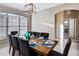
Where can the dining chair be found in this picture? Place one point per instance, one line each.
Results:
(24, 47)
(15, 45)
(45, 35)
(14, 32)
(10, 42)
(65, 52)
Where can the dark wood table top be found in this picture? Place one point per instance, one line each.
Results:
(41, 49)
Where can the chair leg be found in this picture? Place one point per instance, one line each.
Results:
(9, 49)
(13, 52)
(19, 53)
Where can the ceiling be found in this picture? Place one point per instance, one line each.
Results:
(39, 6)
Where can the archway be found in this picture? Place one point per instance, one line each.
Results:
(66, 24)
(62, 8)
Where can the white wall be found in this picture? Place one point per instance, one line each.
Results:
(47, 17)
(42, 22)
(59, 25)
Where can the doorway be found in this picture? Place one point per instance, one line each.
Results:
(67, 24)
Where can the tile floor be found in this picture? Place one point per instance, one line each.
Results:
(74, 50)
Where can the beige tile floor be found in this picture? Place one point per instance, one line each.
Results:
(74, 50)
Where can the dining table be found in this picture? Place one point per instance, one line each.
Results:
(43, 47)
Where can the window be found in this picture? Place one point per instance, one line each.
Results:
(23, 25)
(23, 30)
(12, 29)
(2, 19)
(3, 24)
(2, 31)
(12, 22)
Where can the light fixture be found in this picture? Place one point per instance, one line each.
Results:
(29, 9)
(68, 12)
